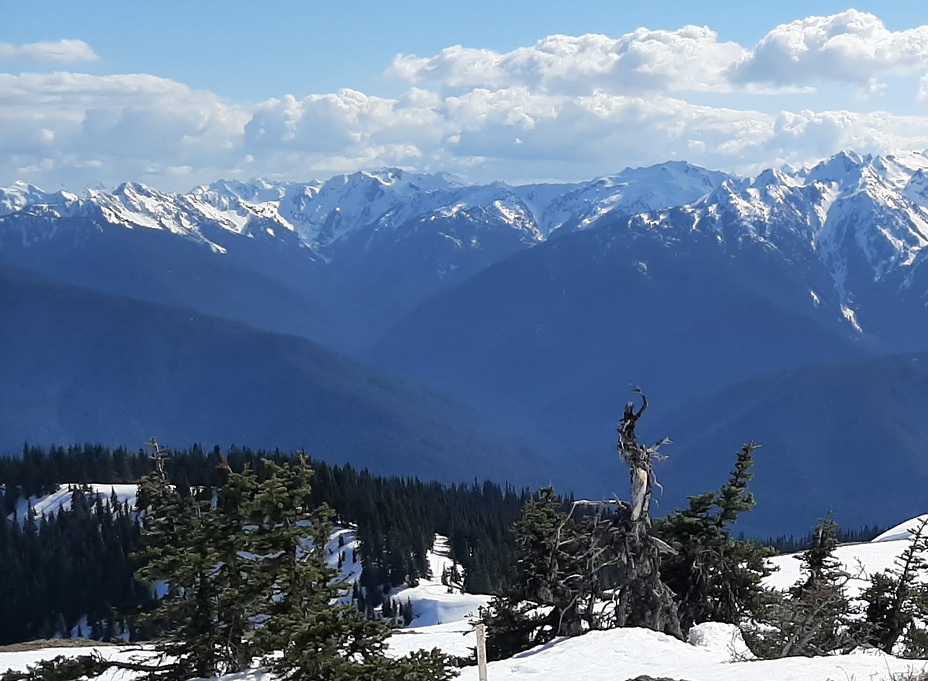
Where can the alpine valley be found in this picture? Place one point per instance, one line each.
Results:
(417, 325)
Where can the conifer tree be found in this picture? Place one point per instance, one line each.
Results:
(179, 553)
(407, 613)
(895, 596)
(814, 617)
(538, 605)
(246, 575)
(316, 638)
(716, 577)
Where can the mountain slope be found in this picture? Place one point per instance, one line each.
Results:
(561, 331)
(80, 366)
(811, 268)
(846, 438)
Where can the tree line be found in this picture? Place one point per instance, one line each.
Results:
(245, 582)
(71, 572)
(66, 572)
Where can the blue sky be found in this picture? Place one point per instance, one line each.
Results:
(177, 93)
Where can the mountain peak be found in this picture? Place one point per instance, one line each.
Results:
(841, 167)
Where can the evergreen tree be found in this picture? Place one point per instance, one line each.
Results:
(815, 616)
(567, 560)
(80, 561)
(716, 577)
(534, 610)
(246, 574)
(407, 612)
(316, 638)
(178, 553)
(896, 596)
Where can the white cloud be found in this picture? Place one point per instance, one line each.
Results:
(59, 50)
(923, 89)
(850, 47)
(347, 119)
(690, 58)
(78, 125)
(565, 107)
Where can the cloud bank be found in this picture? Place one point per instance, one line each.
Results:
(567, 107)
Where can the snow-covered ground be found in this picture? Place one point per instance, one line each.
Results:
(860, 561)
(613, 655)
(622, 654)
(61, 498)
(433, 603)
(715, 653)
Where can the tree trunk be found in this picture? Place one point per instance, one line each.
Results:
(643, 600)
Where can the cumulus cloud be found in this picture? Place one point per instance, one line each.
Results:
(58, 50)
(346, 119)
(565, 107)
(67, 124)
(690, 58)
(850, 47)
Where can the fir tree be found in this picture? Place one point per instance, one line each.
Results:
(316, 638)
(815, 616)
(407, 613)
(538, 605)
(895, 596)
(716, 577)
(178, 551)
(247, 575)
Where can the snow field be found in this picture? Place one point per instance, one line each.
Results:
(715, 652)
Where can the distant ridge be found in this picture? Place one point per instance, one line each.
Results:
(85, 367)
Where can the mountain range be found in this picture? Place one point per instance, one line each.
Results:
(788, 307)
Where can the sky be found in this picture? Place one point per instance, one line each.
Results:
(176, 94)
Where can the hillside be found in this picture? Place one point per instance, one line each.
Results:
(846, 438)
(89, 367)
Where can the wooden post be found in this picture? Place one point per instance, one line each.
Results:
(482, 652)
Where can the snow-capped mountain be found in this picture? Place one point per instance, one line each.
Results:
(539, 303)
(376, 243)
(325, 213)
(865, 219)
(859, 216)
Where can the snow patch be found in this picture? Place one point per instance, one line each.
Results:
(851, 316)
(436, 603)
(901, 531)
(60, 499)
(721, 639)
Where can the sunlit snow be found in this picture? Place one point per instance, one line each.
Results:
(715, 652)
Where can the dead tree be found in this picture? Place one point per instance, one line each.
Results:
(641, 599)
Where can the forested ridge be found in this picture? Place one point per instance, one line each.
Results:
(79, 561)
